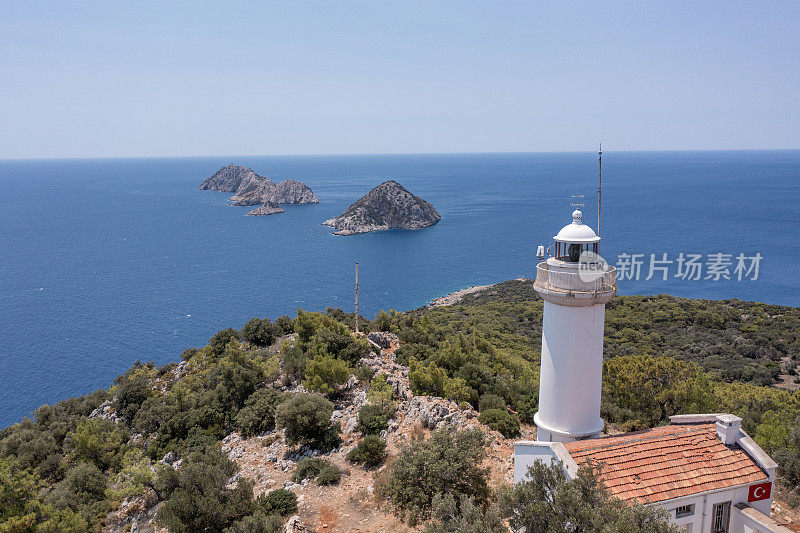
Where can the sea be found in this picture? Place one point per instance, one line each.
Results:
(104, 262)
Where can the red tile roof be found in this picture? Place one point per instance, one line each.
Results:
(667, 462)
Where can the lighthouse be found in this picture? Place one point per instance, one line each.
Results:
(575, 285)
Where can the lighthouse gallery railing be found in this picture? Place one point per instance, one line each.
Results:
(587, 281)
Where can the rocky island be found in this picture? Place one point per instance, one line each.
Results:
(250, 188)
(387, 206)
(267, 208)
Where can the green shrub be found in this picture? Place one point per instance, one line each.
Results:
(372, 419)
(21, 510)
(281, 502)
(326, 374)
(370, 451)
(258, 413)
(83, 490)
(133, 388)
(381, 392)
(491, 401)
(325, 472)
(294, 362)
(188, 353)
(197, 497)
(340, 343)
(446, 463)
(286, 323)
(363, 374)
(257, 523)
(788, 457)
(307, 420)
(463, 516)
(221, 339)
(260, 332)
(502, 421)
(548, 501)
(329, 475)
(426, 379)
(308, 468)
(459, 391)
(99, 441)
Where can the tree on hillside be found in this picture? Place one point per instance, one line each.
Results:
(446, 463)
(326, 374)
(643, 390)
(548, 502)
(221, 339)
(198, 497)
(260, 332)
(307, 420)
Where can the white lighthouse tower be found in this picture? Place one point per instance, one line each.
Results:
(575, 285)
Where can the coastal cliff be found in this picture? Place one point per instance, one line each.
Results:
(387, 206)
(250, 188)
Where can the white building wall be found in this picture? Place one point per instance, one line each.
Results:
(527, 452)
(701, 520)
(571, 372)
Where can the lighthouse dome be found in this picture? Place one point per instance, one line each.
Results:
(577, 232)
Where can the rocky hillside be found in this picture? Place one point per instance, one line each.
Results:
(352, 505)
(268, 208)
(292, 192)
(251, 189)
(270, 461)
(231, 178)
(387, 206)
(303, 425)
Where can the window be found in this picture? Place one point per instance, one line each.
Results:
(721, 517)
(684, 510)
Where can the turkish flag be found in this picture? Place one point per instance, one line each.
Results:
(759, 492)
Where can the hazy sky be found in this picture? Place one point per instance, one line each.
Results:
(113, 78)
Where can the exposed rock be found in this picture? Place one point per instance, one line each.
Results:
(294, 525)
(230, 178)
(268, 208)
(433, 412)
(387, 206)
(106, 410)
(292, 192)
(383, 339)
(250, 188)
(253, 190)
(350, 426)
(455, 298)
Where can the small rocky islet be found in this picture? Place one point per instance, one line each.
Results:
(267, 208)
(250, 188)
(387, 206)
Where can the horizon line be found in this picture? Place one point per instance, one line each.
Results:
(345, 154)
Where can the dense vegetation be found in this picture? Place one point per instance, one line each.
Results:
(550, 503)
(64, 470)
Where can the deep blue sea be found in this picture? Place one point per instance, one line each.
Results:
(107, 261)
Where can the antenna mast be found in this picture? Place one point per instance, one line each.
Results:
(356, 296)
(599, 183)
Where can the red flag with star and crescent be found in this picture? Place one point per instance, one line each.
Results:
(758, 492)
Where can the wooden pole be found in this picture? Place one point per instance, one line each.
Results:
(599, 183)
